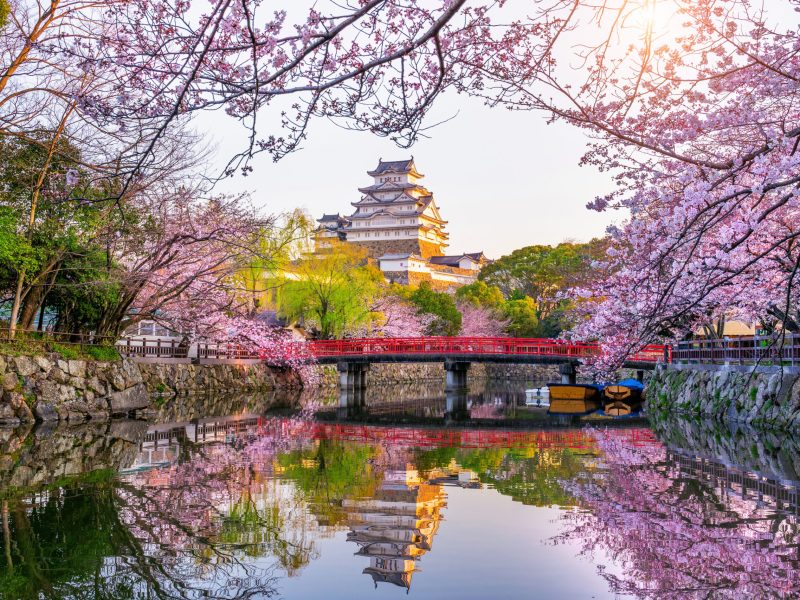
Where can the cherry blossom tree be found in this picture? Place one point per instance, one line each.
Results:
(481, 321)
(690, 105)
(398, 318)
(177, 259)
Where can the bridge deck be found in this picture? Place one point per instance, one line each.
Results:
(487, 350)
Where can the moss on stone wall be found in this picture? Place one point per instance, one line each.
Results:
(769, 398)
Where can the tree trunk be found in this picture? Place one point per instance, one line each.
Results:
(37, 291)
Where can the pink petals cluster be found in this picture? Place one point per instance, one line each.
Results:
(481, 321)
(704, 149)
(397, 318)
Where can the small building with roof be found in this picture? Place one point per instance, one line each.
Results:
(398, 221)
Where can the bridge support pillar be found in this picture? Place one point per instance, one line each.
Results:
(569, 374)
(352, 376)
(640, 376)
(456, 374)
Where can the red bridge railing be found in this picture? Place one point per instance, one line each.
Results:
(473, 346)
(377, 347)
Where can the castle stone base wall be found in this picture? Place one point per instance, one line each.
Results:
(376, 249)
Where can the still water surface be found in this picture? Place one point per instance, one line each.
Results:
(398, 500)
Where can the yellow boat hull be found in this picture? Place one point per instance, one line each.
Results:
(573, 407)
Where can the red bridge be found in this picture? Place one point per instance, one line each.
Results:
(354, 356)
(471, 349)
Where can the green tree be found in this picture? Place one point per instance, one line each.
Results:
(544, 273)
(45, 225)
(441, 305)
(523, 318)
(481, 294)
(332, 292)
(331, 472)
(277, 247)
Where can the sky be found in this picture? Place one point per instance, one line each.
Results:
(502, 179)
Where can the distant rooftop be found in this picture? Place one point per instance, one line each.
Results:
(399, 256)
(452, 260)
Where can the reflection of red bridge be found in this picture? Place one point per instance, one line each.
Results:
(577, 439)
(220, 429)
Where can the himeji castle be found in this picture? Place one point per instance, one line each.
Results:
(398, 222)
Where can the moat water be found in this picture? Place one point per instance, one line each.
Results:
(221, 498)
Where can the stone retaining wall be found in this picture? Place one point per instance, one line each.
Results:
(764, 397)
(49, 388)
(176, 379)
(392, 373)
(48, 454)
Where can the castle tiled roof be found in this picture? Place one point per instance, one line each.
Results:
(452, 260)
(332, 221)
(390, 187)
(394, 166)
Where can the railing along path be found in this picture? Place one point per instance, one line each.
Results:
(780, 350)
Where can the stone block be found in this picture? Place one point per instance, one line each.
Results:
(8, 416)
(45, 412)
(57, 375)
(10, 381)
(95, 385)
(77, 368)
(25, 366)
(43, 364)
(130, 399)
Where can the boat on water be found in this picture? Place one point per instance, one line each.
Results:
(575, 398)
(623, 398)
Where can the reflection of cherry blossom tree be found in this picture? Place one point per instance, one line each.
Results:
(204, 517)
(675, 536)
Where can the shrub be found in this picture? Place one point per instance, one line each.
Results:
(65, 352)
(103, 353)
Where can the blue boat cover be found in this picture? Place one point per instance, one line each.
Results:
(634, 384)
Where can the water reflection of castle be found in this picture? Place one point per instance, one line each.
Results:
(396, 527)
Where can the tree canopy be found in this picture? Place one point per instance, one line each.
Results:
(331, 292)
(441, 305)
